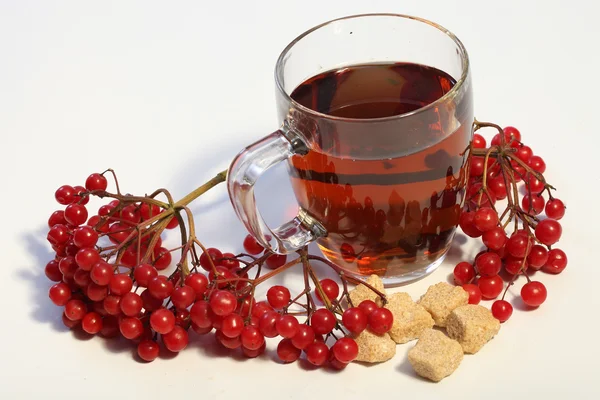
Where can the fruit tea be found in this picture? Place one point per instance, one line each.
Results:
(384, 215)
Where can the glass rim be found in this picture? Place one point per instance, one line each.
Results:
(451, 93)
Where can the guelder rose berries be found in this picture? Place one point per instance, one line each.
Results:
(518, 237)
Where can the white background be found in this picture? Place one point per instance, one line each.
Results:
(167, 93)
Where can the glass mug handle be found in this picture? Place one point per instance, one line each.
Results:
(243, 174)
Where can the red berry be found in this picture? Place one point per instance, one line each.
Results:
(162, 258)
(495, 238)
(96, 182)
(502, 310)
(112, 304)
(60, 294)
(58, 234)
(511, 134)
(380, 321)
(524, 153)
(243, 308)
(68, 323)
(304, 337)
(534, 185)
(335, 363)
(176, 340)
(490, 286)
(278, 296)
(52, 272)
(287, 352)
(275, 261)
(92, 323)
(537, 163)
(368, 306)
(533, 293)
(223, 303)
(119, 232)
(498, 186)
(82, 278)
(67, 267)
(160, 287)
(556, 263)
(355, 320)
(514, 265)
(463, 273)
(229, 261)
(287, 326)
(148, 350)
(488, 264)
(252, 246)
(120, 284)
(131, 304)
(76, 214)
(86, 258)
(84, 236)
(323, 321)
(131, 328)
(199, 314)
(485, 219)
(183, 296)
(254, 353)
(260, 308)
(477, 166)
(75, 310)
(330, 288)
(65, 195)
(214, 254)
(267, 324)
(534, 204)
(548, 231)
(96, 292)
(110, 327)
(232, 325)
(467, 225)
(317, 353)
(517, 245)
(162, 321)
(101, 273)
(537, 257)
(148, 211)
(198, 282)
(555, 209)
(143, 274)
(345, 349)
(57, 217)
(474, 293)
(478, 141)
(251, 337)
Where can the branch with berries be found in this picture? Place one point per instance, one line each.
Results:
(518, 238)
(115, 277)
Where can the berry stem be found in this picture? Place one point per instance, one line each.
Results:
(219, 178)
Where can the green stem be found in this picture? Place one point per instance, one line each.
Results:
(220, 177)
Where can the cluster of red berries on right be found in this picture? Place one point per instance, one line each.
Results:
(530, 246)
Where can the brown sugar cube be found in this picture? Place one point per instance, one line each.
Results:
(373, 348)
(441, 298)
(410, 318)
(361, 292)
(472, 326)
(435, 356)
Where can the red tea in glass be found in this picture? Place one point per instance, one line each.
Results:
(376, 134)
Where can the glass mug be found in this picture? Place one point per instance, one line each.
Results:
(379, 182)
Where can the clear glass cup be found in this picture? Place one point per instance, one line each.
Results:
(381, 195)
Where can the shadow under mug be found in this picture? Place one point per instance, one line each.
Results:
(379, 196)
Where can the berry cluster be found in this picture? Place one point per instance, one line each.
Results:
(508, 170)
(110, 270)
